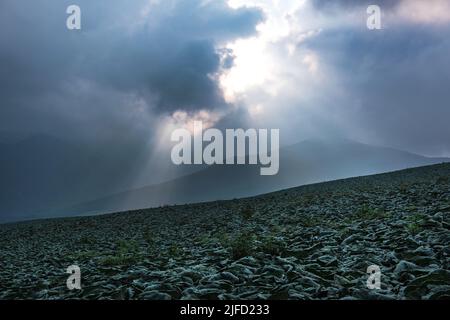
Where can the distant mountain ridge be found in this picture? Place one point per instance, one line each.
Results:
(307, 162)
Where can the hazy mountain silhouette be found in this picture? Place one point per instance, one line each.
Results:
(32, 171)
(40, 173)
(304, 163)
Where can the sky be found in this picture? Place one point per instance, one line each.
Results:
(138, 69)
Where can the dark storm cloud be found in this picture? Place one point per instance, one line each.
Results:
(175, 56)
(167, 57)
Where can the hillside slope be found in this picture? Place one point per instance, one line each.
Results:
(310, 242)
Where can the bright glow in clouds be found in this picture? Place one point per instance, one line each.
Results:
(183, 119)
(254, 64)
(252, 67)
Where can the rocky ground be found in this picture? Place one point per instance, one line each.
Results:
(311, 242)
